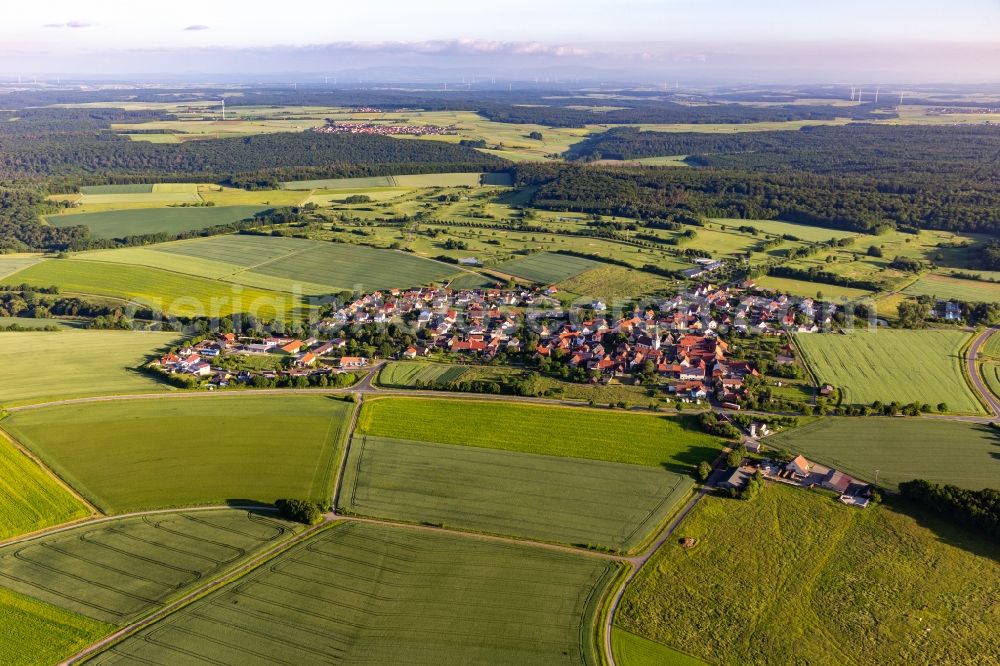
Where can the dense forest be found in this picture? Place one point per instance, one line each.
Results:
(29, 148)
(19, 227)
(969, 151)
(853, 203)
(669, 112)
(552, 107)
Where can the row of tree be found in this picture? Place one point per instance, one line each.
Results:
(975, 509)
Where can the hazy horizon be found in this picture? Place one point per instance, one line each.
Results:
(641, 41)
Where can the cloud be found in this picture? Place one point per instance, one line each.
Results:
(70, 24)
(196, 27)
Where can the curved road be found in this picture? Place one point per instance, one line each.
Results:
(973, 370)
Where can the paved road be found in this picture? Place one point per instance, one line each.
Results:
(977, 380)
(637, 562)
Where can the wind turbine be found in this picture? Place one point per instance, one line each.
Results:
(876, 95)
(859, 94)
(223, 108)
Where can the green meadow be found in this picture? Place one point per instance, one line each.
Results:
(872, 586)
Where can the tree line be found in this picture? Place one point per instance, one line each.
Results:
(870, 204)
(975, 509)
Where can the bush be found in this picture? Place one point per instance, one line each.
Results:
(703, 471)
(301, 511)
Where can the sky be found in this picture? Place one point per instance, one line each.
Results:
(806, 40)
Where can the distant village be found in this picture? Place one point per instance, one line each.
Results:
(383, 129)
(676, 339)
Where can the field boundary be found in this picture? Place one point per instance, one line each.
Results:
(217, 583)
(61, 482)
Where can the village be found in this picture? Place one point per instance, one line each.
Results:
(677, 340)
(383, 129)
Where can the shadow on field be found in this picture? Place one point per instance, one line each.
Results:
(689, 458)
(256, 507)
(946, 531)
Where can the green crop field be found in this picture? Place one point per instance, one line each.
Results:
(281, 264)
(992, 346)
(32, 322)
(962, 454)
(547, 498)
(991, 375)
(632, 650)
(613, 284)
(887, 365)
(810, 289)
(946, 288)
(30, 499)
(575, 432)
(409, 181)
(804, 232)
(166, 291)
(36, 634)
(116, 571)
(373, 594)
(140, 221)
(144, 199)
(794, 577)
(548, 268)
(137, 188)
(76, 363)
(406, 374)
(12, 264)
(348, 266)
(189, 451)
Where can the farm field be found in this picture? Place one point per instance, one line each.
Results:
(116, 571)
(36, 634)
(266, 265)
(810, 289)
(777, 228)
(77, 363)
(991, 376)
(887, 365)
(852, 586)
(546, 498)
(902, 449)
(372, 594)
(166, 291)
(30, 499)
(548, 268)
(613, 284)
(472, 179)
(632, 650)
(946, 288)
(141, 221)
(404, 374)
(32, 322)
(10, 264)
(575, 432)
(189, 451)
